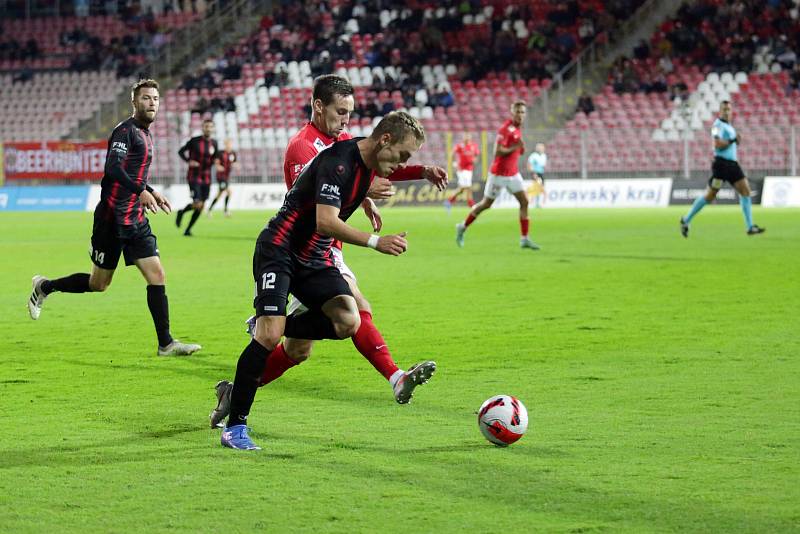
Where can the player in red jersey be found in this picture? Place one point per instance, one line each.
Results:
(227, 161)
(121, 227)
(464, 154)
(332, 103)
(508, 147)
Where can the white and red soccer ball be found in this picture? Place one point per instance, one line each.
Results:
(503, 419)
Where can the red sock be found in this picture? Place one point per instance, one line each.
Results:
(469, 219)
(470, 202)
(370, 343)
(277, 364)
(523, 226)
(452, 199)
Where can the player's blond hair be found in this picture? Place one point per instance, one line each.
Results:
(138, 86)
(518, 103)
(399, 124)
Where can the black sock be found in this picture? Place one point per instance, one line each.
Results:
(248, 375)
(74, 283)
(159, 309)
(193, 220)
(188, 207)
(211, 207)
(227, 198)
(312, 324)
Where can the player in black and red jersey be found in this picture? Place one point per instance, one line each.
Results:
(293, 253)
(120, 224)
(201, 154)
(227, 160)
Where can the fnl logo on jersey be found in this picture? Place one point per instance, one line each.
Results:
(331, 189)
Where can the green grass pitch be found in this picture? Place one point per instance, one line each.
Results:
(661, 376)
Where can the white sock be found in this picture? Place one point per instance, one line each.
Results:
(395, 378)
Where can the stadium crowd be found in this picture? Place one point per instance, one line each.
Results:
(481, 39)
(715, 36)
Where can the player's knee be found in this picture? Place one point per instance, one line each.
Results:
(298, 355)
(362, 303)
(99, 285)
(158, 277)
(267, 340)
(347, 324)
(297, 350)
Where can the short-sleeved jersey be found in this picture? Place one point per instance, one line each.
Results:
(303, 147)
(203, 151)
(507, 135)
(723, 130)
(336, 177)
(226, 159)
(465, 156)
(127, 171)
(538, 162)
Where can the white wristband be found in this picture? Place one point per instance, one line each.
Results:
(372, 242)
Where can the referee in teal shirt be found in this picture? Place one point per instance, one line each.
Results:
(725, 169)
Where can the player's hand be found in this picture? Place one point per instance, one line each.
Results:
(393, 245)
(436, 175)
(162, 202)
(380, 189)
(522, 145)
(737, 139)
(374, 216)
(193, 163)
(148, 201)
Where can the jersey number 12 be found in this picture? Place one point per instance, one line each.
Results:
(268, 281)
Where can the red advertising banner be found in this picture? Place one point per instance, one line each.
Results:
(54, 160)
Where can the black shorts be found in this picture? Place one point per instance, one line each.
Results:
(199, 191)
(222, 184)
(109, 240)
(277, 272)
(724, 170)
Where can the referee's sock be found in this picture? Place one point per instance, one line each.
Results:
(699, 203)
(312, 324)
(248, 373)
(159, 310)
(74, 283)
(747, 210)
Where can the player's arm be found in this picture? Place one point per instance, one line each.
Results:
(121, 142)
(720, 143)
(435, 175)
(500, 150)
(183, 152)
(329, 223)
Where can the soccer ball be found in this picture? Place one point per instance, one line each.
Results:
(503, 419)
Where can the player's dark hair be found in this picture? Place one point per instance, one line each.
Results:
(724, 102)
(141, 84)
(208, 120)
(399, 124)
(327, 86)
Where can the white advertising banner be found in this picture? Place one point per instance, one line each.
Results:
(624, 193)
(267, 197)
(781, 192)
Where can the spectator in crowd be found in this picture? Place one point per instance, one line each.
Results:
(585, 104)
